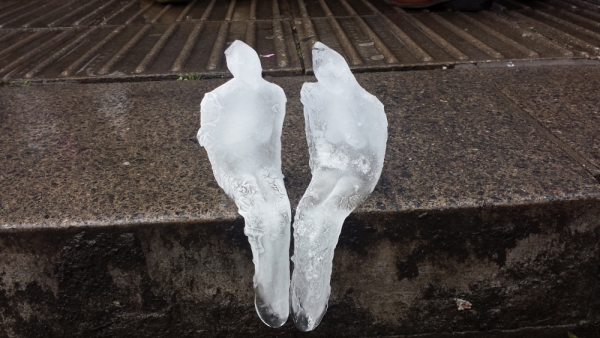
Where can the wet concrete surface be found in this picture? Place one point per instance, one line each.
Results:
(127, 153)
(111, 223)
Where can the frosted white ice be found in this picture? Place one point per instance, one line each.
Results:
(346, 130)
(241, 124)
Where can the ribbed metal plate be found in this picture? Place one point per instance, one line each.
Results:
(373, 36)
(131, 39)
(140, 39)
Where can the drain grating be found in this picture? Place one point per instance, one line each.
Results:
(140, 39)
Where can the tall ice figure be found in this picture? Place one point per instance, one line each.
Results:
(346, 130)
(241, 124)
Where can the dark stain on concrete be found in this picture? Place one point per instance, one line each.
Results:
(357, 235)
(184, 280)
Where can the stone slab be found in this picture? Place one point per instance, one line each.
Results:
(565, 100)
(473, 204)
(455, 143)
(105, 155)
(124, 153)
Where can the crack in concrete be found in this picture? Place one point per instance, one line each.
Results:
(532, 121)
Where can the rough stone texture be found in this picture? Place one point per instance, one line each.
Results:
(566, 100)
(454, 143)
(393, 274)
(473, 204)
(106, 155)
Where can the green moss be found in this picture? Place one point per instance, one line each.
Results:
(25, 83)
(190, 77)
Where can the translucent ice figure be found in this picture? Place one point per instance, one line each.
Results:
(346, 129)
(241, 125)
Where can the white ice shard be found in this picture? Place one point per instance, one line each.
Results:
(241, 124)
(346, 130)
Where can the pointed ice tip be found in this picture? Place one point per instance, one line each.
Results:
(330, 67)
(270, 314)
(272, 308)
(307, 312)
(305, 322)
(243, 62)
(270, 319)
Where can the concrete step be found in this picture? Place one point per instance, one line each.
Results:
(111, 223)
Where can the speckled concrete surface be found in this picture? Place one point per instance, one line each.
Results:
(565, 100)
(106, 154)
(454, 143)
(139, 241)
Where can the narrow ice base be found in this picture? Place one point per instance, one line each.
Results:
(271, 288)
(309, 303)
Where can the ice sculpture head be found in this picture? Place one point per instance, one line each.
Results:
(331, 69)
(243, 62)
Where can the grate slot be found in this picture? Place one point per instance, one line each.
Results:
(24, 15)
(72, 14)
(22, 42)
(49, 14)
(54, 57)
(457, 54)
(499, 36)
(557, 34)
(34, 52)
(18, 9)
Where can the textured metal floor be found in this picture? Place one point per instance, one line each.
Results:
(132, 39)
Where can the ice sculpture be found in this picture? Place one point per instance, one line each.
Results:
(241, 124)
(346, 130)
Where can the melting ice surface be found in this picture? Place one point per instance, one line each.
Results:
(346, 130)
(241, 124)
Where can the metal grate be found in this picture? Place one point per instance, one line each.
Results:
(132, 39)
